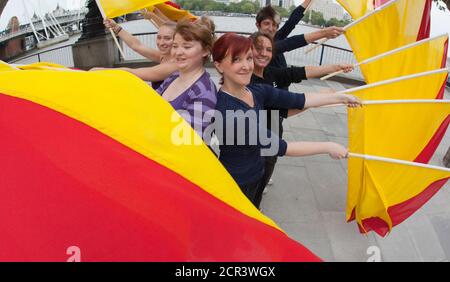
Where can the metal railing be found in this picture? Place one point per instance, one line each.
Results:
(324, 55)
(61, 55)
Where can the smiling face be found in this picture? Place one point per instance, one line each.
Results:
(268, 26)
(164, 39)
(262, 52)
(188, 54)
(237, 70)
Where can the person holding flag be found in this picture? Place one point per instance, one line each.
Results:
(233, 59)
(268, 21)
(190, 90)
(263, 73)
(161, 55)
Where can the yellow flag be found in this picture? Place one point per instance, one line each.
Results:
(406, 131)
(383, 194)
(395, 24)
(357, 8)
(427, 85)
(43, 66)
(115, 8)
(173, 13)
(6, 67)
(408, 61)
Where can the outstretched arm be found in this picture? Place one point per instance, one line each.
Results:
(133, 42)
(155, 73)
(156, 17)
(319, 71)
(300, 149)
(329, 32)
(313, 100)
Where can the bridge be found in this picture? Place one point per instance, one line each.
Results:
(25, 30)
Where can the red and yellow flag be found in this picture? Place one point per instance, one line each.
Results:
(358, 8)
(407, 131)
(426, 85)
(173, 11)
(408, 60)
(382, 194)
(395, 24)
(114, 8)
(88, 160)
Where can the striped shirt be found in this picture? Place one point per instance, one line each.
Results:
(197, 100)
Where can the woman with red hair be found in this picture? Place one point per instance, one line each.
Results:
(240, 105)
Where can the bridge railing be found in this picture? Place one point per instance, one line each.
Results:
(324, 55)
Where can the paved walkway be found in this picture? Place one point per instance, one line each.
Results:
(308, 197)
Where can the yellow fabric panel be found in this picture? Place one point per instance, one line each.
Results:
(42, 66)
(382, 185)
(397, 131)
(116, 8)
(424, 87)
(6, 67)
(173, 13)
(408, 61)
(356, 8)
(394, 26)
(125, 108)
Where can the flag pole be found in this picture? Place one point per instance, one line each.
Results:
(418, 101)
(396, 161)
(384, 102)
(322, 41)
(309, 7)
(110, 29)
(392, 52)
(394, 80)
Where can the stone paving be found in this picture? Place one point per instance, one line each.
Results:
(308, 197)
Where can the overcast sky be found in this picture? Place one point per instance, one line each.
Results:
(440, 20)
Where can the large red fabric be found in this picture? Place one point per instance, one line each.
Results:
(64, 184)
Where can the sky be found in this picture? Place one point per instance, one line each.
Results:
(440, 20)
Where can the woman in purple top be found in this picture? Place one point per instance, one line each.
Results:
(190, 90)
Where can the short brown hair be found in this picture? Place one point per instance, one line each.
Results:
(196, 31)
(268, 13)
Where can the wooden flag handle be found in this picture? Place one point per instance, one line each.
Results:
(331, 75)
(309, 7)
(319, 43)
(117, 43)
(335, 73)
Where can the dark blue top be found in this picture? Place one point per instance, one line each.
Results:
(284, 44)
(240, 148)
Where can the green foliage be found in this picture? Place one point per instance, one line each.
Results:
(318, 19)
(245, 7)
